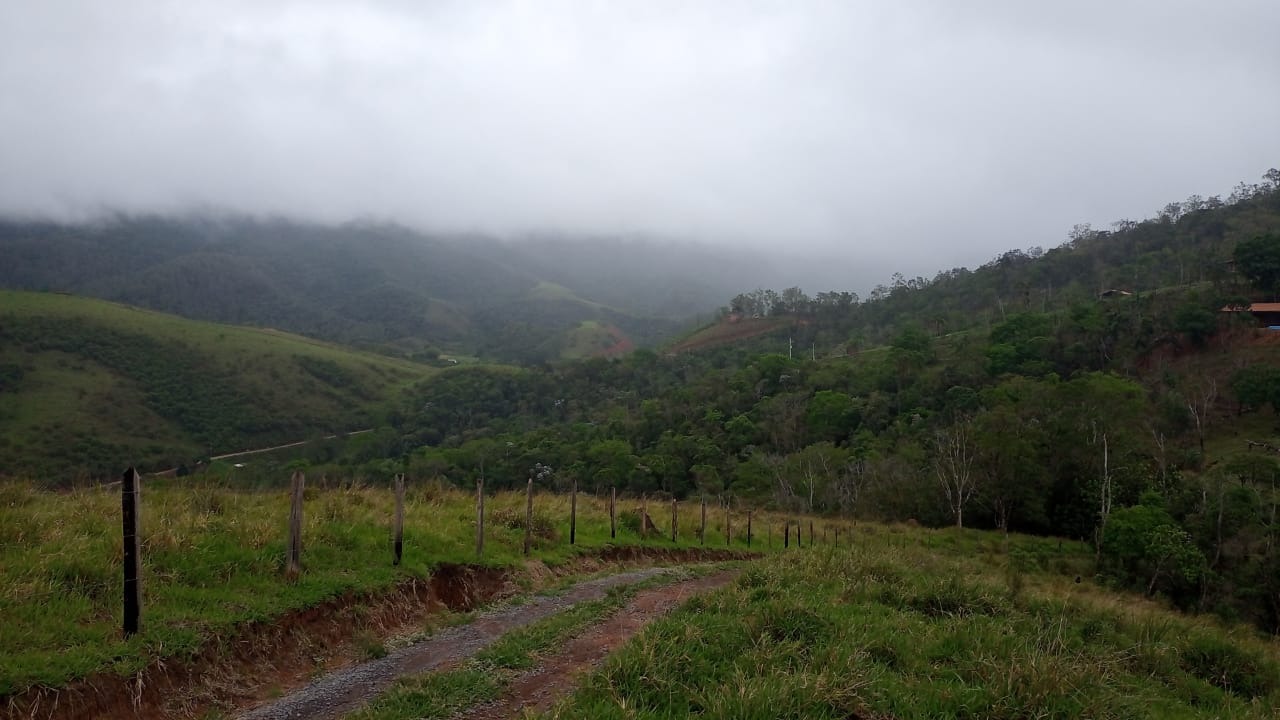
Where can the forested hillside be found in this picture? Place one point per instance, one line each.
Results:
(1142, 421)
(379, 287)
(1187, 245)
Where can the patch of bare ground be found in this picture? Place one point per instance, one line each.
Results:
(539, 689)
(267, 659)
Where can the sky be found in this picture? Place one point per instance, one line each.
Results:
(902, 135)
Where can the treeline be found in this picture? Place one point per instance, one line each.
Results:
(1185, 243)
(1027, 429)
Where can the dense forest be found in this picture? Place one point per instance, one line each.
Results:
(1020, 396)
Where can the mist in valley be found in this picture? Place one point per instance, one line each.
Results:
(826, 145)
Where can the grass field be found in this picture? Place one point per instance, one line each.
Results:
(88, 384)
(214, 560)
(932, 624)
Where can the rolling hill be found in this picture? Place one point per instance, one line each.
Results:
(89, 386)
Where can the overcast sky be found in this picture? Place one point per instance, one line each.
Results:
(904, 135)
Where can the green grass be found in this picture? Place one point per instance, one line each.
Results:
(920, 624)
(433, 695)
(91, 385)
(214, 560)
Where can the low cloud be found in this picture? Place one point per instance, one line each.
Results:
(905, 136)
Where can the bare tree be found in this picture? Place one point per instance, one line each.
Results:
(1200, 401)
(953, 463)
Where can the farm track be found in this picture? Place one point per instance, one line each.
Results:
(540, 688)
(346, 690)
(241, 671)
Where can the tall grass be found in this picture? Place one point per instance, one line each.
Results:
(931, 624)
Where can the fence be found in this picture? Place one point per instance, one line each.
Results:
(131, 508)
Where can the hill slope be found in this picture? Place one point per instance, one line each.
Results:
(90, 386)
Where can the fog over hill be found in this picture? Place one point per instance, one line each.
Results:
(907, 137)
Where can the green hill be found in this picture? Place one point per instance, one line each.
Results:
(89, 386)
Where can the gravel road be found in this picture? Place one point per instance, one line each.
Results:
(345, 690)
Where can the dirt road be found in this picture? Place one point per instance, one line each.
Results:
(538, 689)
(343, 691)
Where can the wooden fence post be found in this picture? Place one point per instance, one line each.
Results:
(786, 534)
(837, 542)
(397, 525)
(613, 512)
(674, 520)
(130, 506)
(528, 516)
(573, 513)
(479, 516)
(799, 534)
(702, 530)
(298, 484)
(811, 542)
(748, 528)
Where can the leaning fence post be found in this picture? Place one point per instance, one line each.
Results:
(528, 516)
(573, 513)
(673, 520)
(702, 530)
(298, 485)
(479, 516)
(613, 512)
(397, 527)
(748, 528)
(130, 496)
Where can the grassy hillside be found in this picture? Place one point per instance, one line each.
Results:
(912, 623)
(90, 387)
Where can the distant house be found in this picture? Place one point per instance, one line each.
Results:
(1267, 314)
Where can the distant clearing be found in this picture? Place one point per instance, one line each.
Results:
(725, 332)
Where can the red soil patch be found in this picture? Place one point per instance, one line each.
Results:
(621, 344)
(725, 333)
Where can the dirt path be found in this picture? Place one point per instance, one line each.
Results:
(343, 691)
(538, 689)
